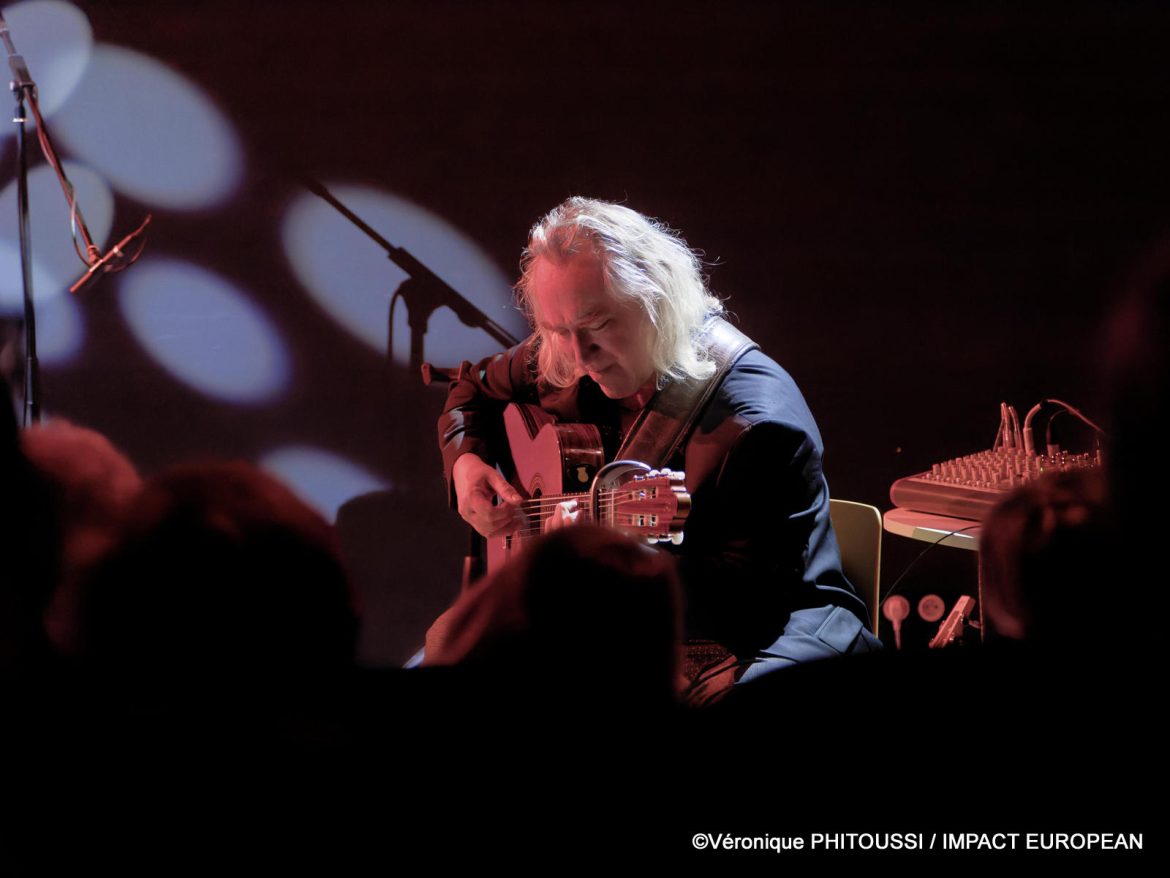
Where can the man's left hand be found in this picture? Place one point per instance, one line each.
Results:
(564, 514)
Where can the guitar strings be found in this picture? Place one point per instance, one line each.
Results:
(606, 506)
(546, 499)
(583, 500)
(544, 507)
(607, 514)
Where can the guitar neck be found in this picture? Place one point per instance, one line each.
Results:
(542, 508)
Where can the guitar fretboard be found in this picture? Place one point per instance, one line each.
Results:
(540, 509)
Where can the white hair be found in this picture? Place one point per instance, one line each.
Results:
(641, 259)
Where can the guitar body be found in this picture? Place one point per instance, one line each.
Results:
(550, 459)
(554, 462)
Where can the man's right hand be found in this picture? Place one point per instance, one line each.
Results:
(477, 485)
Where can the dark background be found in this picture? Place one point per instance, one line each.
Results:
(919, 209)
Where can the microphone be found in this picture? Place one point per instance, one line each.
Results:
(108, 262)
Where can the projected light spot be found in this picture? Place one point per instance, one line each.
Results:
(352, 279)
(153, 134)
(323, 480)
(55, 40)
(203, 330)
(59, 331)
(55, 263)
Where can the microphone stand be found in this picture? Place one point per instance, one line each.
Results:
(23, 88)
(117, 259)
(423, 292)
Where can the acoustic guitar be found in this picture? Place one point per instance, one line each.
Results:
(555, 462)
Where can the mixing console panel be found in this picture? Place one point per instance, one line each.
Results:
(966, 487)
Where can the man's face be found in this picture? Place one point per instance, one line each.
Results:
(609, 339)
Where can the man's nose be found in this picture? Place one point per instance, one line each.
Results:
(584, 348)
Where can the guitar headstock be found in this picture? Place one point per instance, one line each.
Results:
(653, 505)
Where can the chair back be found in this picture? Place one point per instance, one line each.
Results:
(859, 535)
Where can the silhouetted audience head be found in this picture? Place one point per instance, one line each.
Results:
(93, 485)
(1046, 558)
(221, 576)
(30, 553)
(1137, 360)
(589, 611)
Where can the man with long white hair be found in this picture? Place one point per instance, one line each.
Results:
(621, 315)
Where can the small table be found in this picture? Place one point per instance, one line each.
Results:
(960, 533)
(942, 530)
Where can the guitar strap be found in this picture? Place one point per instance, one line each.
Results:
(667, 420)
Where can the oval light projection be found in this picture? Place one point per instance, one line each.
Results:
(154, 135)
(323, 480)
(56, 40)
(55, 263)
(203, 330)
(59, 331)
(350, 276)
